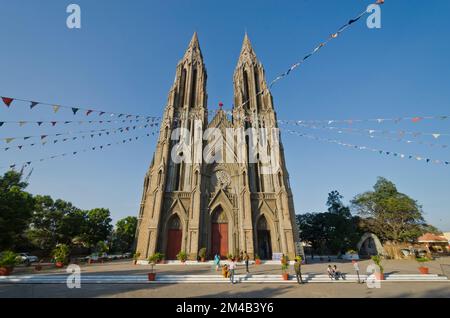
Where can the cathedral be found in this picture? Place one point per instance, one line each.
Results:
(224, 207)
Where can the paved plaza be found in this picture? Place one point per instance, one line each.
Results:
(242, 290)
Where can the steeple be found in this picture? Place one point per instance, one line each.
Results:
(247, 52)
(193, 49)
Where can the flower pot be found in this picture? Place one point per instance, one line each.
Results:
(257, 262)
(6, 270)
(151, 277)
(424, 270)
(379, 276)
(59, 264)
(202, 259)
(285, 276)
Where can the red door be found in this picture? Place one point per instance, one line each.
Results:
(220, 239)
(173, 244)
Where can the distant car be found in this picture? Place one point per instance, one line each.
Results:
(27, 258)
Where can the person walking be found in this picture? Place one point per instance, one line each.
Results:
(246, 259)
(298, 269)
(231, 269)
(217, 261)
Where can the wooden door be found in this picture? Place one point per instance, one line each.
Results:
(220, 239)
(173, 244)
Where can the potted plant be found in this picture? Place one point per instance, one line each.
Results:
(182, 256)
(285, 271)
(230, 257)
(152, 275)
(159, 257)
(202, 254)
(257, 260)
(8, 260)
(61, 255)
(136, 257)
(377, 260)
(423, 269)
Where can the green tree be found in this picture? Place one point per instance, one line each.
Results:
(123, 235)
(98, 226)
(55, 222)
(334, 231)
(16, 208)
(392, 216)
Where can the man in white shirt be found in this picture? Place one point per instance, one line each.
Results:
(232, 268)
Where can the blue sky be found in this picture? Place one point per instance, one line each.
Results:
(124, 57)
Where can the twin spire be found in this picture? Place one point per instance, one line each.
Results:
(246, 51)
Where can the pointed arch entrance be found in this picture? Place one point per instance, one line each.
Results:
(219, 233)
(264, 239)
(174, 238)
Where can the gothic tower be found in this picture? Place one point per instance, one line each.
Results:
(169, 214)
(221, 205)
(267, 198)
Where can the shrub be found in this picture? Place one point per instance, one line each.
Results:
(136, 256)
(202, 252)
(257, 256)
(8, 259)
(284, 268)
(156, 257)
(230, 256)
(422, 259)
(61, 253)
(182, 256)
(377, 260)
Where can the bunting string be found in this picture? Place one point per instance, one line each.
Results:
(396, 120)
(22, 123)
(369, 133)
(74, 153)
(100, 132)
(365, 148)
(322, 44)
(8, 101)
(372, 133)
(65, 140)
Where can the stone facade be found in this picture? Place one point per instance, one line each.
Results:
(226, 207)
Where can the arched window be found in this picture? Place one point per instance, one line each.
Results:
(175, 223)
(220, 216)
(183, 87)
(257, 86)
(194, 89)
(262, 224)
(246, 91)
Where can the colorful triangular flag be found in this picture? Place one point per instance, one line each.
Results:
(56, 108)
(7, 101)
(33, 104)
(75, 110)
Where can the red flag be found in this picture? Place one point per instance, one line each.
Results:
(416, 119)
(7, 101)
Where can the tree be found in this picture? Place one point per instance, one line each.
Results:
(123, 235)
(392, 216)
(16, 208)
(98, 226)
(55, 222)
(334, 231)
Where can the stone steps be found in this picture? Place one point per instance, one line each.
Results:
(209, 279)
